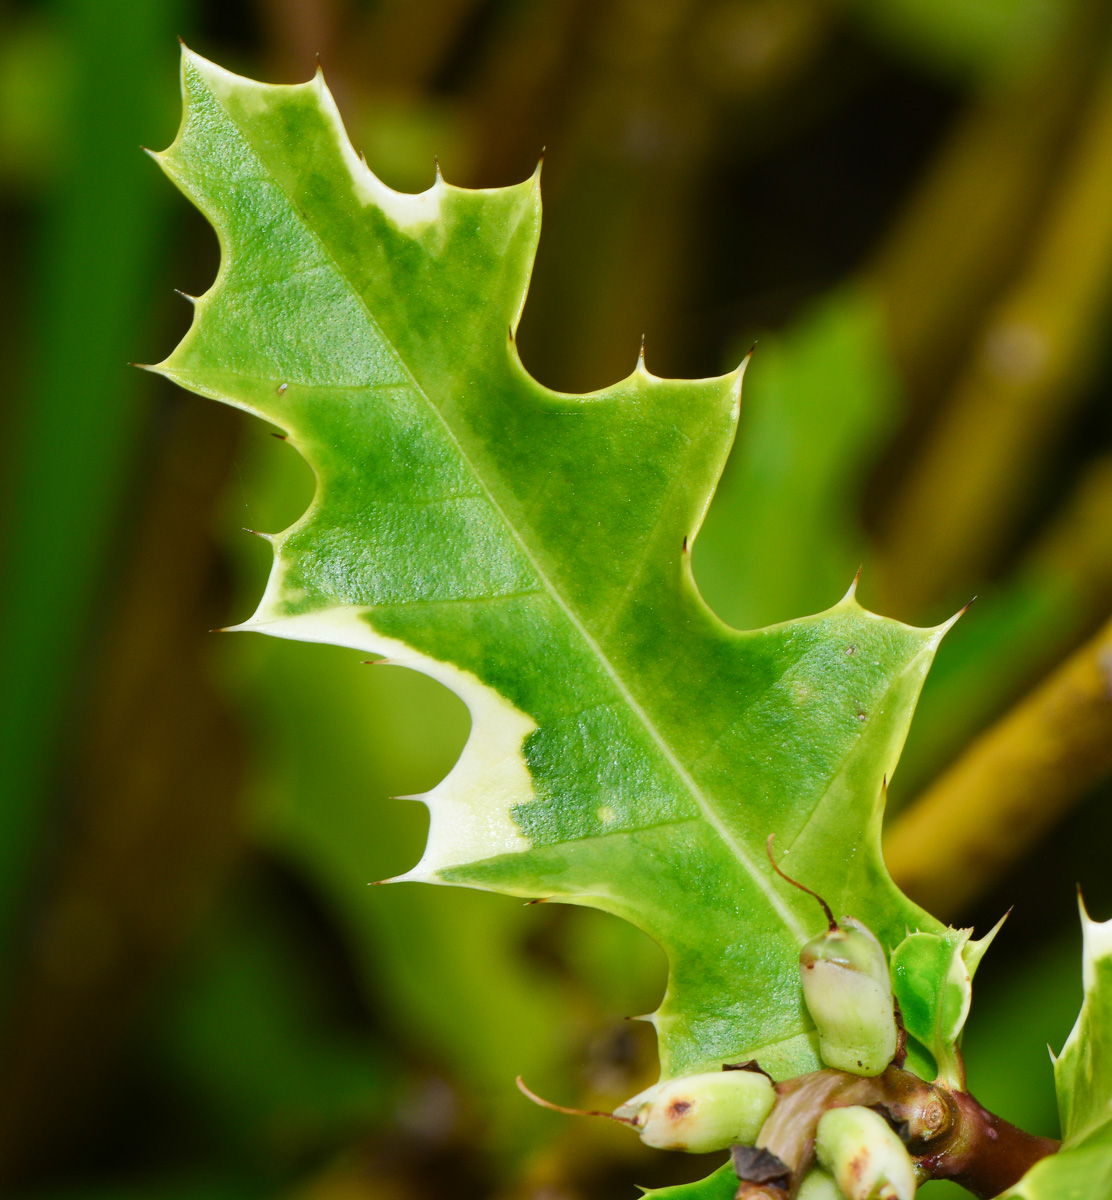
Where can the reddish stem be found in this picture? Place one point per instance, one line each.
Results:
(948, 1133)
(987, 1154)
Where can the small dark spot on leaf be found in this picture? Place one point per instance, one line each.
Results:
(679, 1108)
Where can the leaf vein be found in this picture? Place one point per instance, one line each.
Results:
(739, 851)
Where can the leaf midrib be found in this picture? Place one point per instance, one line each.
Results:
(739, 852)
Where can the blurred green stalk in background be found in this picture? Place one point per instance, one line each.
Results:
(96, 262)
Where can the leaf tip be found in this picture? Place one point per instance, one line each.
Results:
(947, 625)
(243, 627)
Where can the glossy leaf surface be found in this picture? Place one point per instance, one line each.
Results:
(531, 550)
(932, 977)
(1082, 1169)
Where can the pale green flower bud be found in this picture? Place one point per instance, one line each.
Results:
(701, 1113)
(848, 990)
(818, 1185)
(865, 1156)
(849, 996)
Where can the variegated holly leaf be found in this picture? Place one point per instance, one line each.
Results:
(1082, 1169)
(531, 550)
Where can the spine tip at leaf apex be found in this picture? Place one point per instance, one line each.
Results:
(640, 368)
(947, 625)
(405, 877)
(851, 594)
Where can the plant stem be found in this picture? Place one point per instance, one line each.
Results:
(987, 1155)
(948, 1134)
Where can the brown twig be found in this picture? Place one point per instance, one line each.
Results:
(1011, 784)
(948, 1133)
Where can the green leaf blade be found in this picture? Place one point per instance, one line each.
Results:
(531, 550)
(1082, 1169)
(1083, 1071)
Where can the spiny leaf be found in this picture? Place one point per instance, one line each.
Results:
(721, 1185)
(1082, 1169)
(531, 550)
(1083, 1071)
